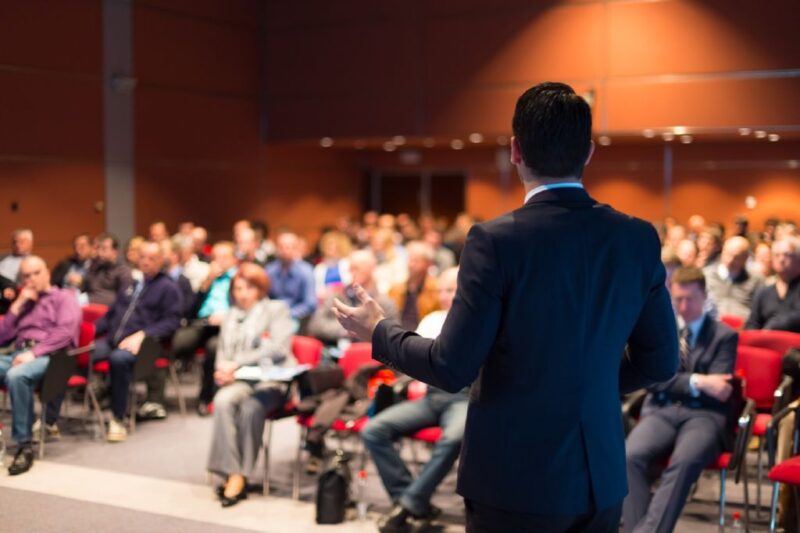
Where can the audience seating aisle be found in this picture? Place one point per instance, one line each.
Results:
(398, 259)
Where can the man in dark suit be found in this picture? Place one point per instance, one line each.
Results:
(683, 418)
(548, 297)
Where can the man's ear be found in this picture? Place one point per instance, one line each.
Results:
(591, 153)
(516, 152)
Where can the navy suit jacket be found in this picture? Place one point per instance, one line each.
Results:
(548, 297)
(713, 353)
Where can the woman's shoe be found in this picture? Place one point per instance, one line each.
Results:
(227, 502)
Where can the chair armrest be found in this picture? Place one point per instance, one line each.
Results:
(782, 394)
(772, 430)
(82, 349)
(745, 424)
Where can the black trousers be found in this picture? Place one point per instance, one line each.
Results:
(188, 339)
(486, 519)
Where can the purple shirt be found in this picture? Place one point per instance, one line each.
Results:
(52, 322)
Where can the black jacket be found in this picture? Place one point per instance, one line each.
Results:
(548, 297)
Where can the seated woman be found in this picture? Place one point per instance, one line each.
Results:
(256, 332)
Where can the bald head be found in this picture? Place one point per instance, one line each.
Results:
(448, 283)
(362, 265)
(734, 254)
(151, 258)
(33, 273)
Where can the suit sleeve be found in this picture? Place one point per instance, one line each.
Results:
(453, 360)
(170, 319)
(652, 354)
(755, 320)
(722, 362)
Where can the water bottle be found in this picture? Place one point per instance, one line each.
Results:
(737, 524)
(361, 505)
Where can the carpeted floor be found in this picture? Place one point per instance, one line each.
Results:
(157, 481)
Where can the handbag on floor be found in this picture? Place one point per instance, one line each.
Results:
(333, 491)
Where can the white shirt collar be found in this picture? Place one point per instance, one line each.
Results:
(549, 186)
(693, 327)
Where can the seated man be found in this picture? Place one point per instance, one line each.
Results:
(412, 497)
(41, 320)
(777, 306)
(730, 285)
(416, 297)
(324, 325)
(106, 276)
(684, 418)
(21, 246)
(148, 308)
(69, 273)
(213, 300)
(292, 279)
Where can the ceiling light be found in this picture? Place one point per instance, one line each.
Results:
(398, 140)
(326, 142)
(389, 146)
(744, 131)
(686, 139)
(773, 137)
(760, 134)
(604, 140)
(680, 130)
(648, 133)
(475, 138)
(456, 144)
(667, 136)
(502, 140)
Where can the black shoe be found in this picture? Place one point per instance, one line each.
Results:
(395, 521)
(23, 460)
(227, 502)
(202, 409)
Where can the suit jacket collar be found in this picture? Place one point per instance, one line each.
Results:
(561, 196)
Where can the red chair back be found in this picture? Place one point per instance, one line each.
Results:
(93, 312)
(780, 341)
(307, 350)
(85, 338)
(736, 322)
(355, 356)
(761, 370)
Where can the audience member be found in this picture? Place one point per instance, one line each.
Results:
(762, 262)
(201, 248)
(42, 320)
(392, 268)
(683, 418)
(266, 248)
(416, 297)
(687, 253)
(333, 269)
(21, 246)
(185, 228)
(195, 270)
(247, 246)
(173, 268)
(158, 232)
(768, 233)
(69, 273)
(323, 324)
(132, 256)
(777, 306)
(412, 497)
(709, 246)
(695, 225)
(443, 257)
(292, 279)
(150, 307)
(675, 234)
(213, 300)
(256, 332)
(730, 285)
(106, 276)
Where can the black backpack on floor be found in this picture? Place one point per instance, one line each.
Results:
(333, 491)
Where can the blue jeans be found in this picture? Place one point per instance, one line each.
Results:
(121, 363)
(445, 410)
(21, 381)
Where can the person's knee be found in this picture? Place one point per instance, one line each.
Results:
(224, 400)
(375, 432)
(211, 346)
(16, 376)
(120, 358)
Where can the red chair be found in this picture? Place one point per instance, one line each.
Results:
(357, 355)
(765, 382)
(736, 322)
(93, 312)
(787, 471)
(307, 351)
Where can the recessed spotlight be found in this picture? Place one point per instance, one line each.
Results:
(750, 202)
(680, 130)
(389, 146)
(687, 139)
(502, 140)
(760, 134)
(773, 137)
(429, 142)
(648, 133)
(794, 163)
(668, 136)
(398, 140)
(604, 140)
(326, 142)
(745, 131)
(456, 144)
(475, 138)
